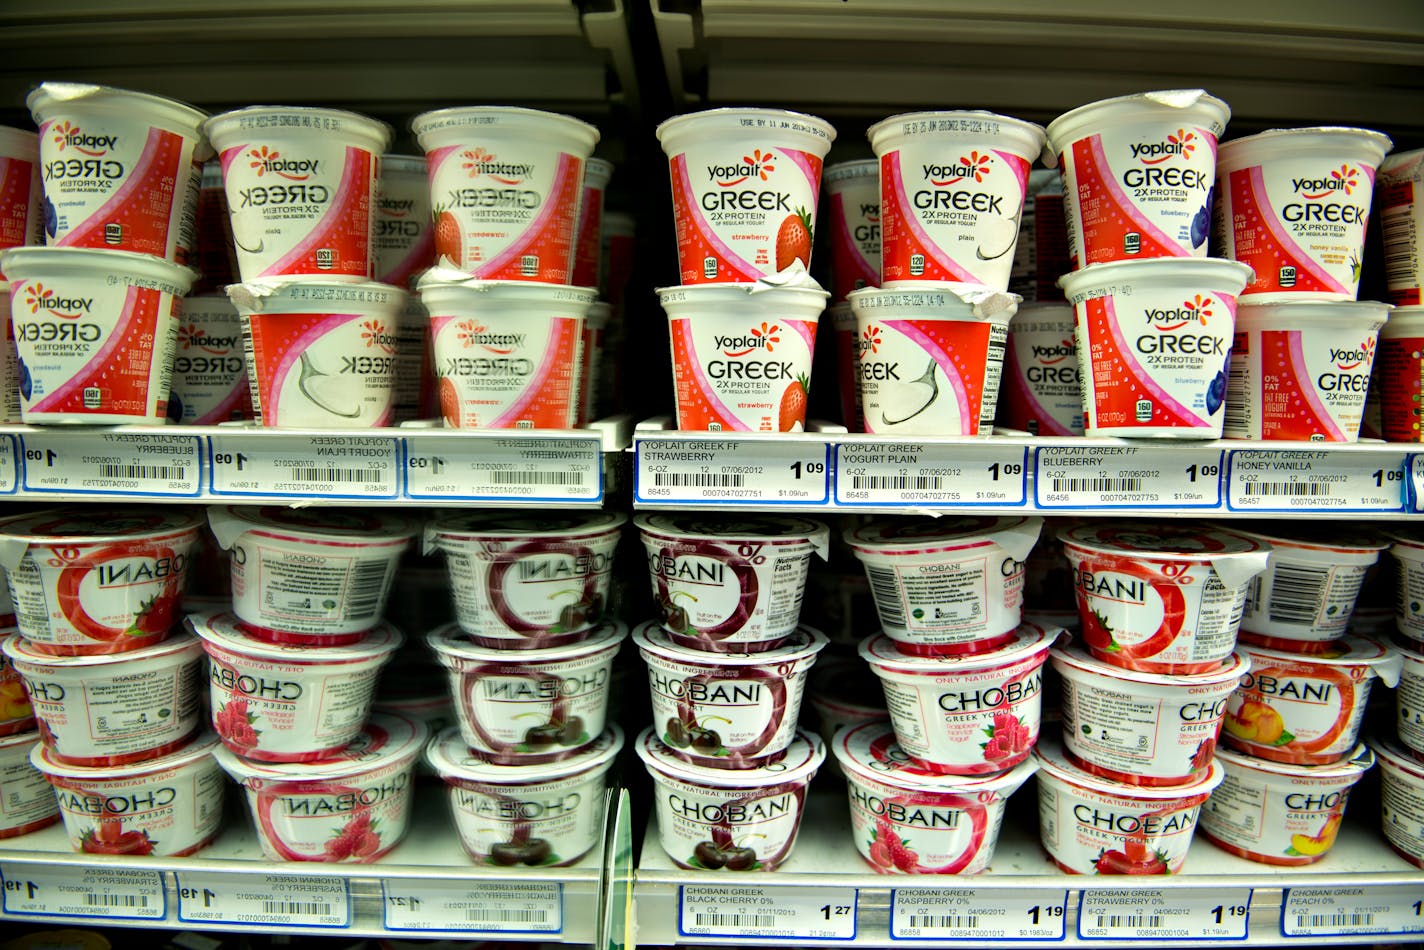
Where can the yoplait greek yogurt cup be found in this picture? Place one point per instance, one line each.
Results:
(29, 799)
(21, 203)
(732, 819)
(403, 243)
(529, 706)
(729, 584)
(1161, 598)
(1041, 391)
(965, 714)
(588, 232)
(1399, 376)
(353, 806)
(907, 820)
(548, 815)
(527, 580)
(853, 215)
(166, 807)
(1401, 800)
(209, 367)
(727, 710)
(86, 583)
(284, 702)
(16, 713)
(946, 585)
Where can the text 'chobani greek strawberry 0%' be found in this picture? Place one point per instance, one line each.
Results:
(745, 183)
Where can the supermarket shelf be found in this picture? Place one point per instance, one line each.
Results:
(826, 870)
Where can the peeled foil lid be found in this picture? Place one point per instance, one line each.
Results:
(794, 277)
(1016, 535)
(255, 295)
(983, 302)
(1174, 98)
(870, 750)
(57, 526)
(1384, 661)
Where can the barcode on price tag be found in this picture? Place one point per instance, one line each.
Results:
(521, 470)
(1118, 476)
(472, 907)
(1260, 480)
(761, 913)
(71, 891)
(114, 463)
(1222, 913)
(264, 900)
(787, 472)
(912, 474)
(329, 466)
(938, 913)
(1332, 911)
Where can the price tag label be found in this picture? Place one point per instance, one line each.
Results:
(753, 913)
(1416, 479)
(714, 472)
(1120, 476)
(9, 464)
(485, 469)
(1332, 911)
(1316, 481)
(331, 466)
(472, 907)
(1221, 913)
(938, 913)
(112, 463)
(72, 891)
(875, 474)
(264, 900)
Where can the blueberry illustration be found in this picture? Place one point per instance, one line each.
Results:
(1201, 224)
(51, 218)
(1216, 393)
(175, 407)
(25, 387)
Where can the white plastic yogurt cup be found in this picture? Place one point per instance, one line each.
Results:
(301, 188)
(87, 583)
(1399, 375)
(906, 820)
(9, 360)
(946, 585)
(533, 815)
(588, 232)
(403, 242)
(1408, 553)
(1401, 215)
(21, 208)
(209, 368)
(284, 702)
(121, 170)
(952, 188)
(595, 329)
(729, 585)
(727, 710)
(847, 383)
(1409, 702)
(853, 210)
(354, 806)
(167, 807)
(16, 713)
(1401, 800)
(1042, 390)
(318, 577)
(29, 800)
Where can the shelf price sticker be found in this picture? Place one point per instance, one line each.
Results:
(264, 900)
(68, 890)
(751, 912)
(416, 904)
(1263, 480)
(327, 466)
(872, 474)
(9, 464)
(1122, 476)
(520, 470)
(1220, 913)
(788, 472)
(1416, 482)
(112, 463)
(1335, 911)
(942, 913)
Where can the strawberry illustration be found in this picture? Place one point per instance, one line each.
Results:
(792, 417)
(108, 837)
(793, 240)
(449, 240)
(1202, 757)
(1134, 858)
(450, 403)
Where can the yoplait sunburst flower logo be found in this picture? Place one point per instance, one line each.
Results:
(764, 337)
(376, 335)
(479, 161)
(756, 165)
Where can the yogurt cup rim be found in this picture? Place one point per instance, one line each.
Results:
(1341, 131)
(221, 628)
(1112, 271)
(1351, 658)
(1357, 763)
(1140, 100)
(445, 279)
(734, 292)
(1022, 126)
(457, 115)
(1393, 755)
(1242, 545)
(594, 161)
(174, 523)
(598, 755)
(450, 639)
(114, 260)
(804, 746)
(214, 126)
(19, 650)
(466, 525)
(668, 126)
(794, 528)
(408, 738)
(1035, 639)
(1074, 654)
(1283, 538)
(985, 302)
(1011, 777)
(16, 139)
(855, 168)
(854, 535)
(804, 642)
(278, 295)
(18, 739)
(46, 92)
(1311, 312)
(1053, 763)
(401, 162)
(1402, 319)
(202, 745)
(392, 527)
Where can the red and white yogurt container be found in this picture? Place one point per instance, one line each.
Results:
(167, 807)
(209, 366)
(1400, 195)
(1042, 390)
(21, 208)
(88, 583)
(9, 359)
(285, 702)
(1408, 702)
(1279, 814)
(214, 256)
(29, 802)
(847, 336)
(907, 820)
(1399, 374)
(16, 713)
(588, 233)
(853, 212)
(1161, 598)
(1401, 800)
(352, 807)
(594, 334)
(965, 715)
(403, 244)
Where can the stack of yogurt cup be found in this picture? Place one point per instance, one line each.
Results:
(1401, 752)
(292, 670)
(853, 215)
(1401, 350)
(22, 214)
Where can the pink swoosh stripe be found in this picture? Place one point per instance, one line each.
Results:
(1307, 387)
(322, 229)
(683, 184)
(849, 249)
(138, 178)
(1125, 206)
(88, 373)
(558, 329)
(907, 218)
(418, 259)
(684, 329)
(1272, 220)
(1144, 379)
(568, 166)
(946, 366)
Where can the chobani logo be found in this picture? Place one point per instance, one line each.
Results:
(69, 135)
(1179, 145)
(1341, 180)
(912, 816)
(758, 338)
(973, 166)
(375, 334)
(264, 160)
(342, 802)
(1353, 358)
(1196, 310)
(1048, 355)
(473, 333)
(192, 337)
(40, 298)
(476, 161)
(756, 165)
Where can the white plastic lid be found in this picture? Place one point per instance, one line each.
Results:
(88, 263)
(1346, 315)
(505, 119)
(203, 745)
(771, 529)
(1367, 140)
(1232, 668)
(804, 641)
(996, 131)
(799, 763)
(451, 640)
(1054, 763)
(709, 122)
(891, 536)
(847, 171)
(1384, 661)
(448, 754)
(345, 525)
(304, 122)
(23, 651)
(1159, 105)
(475, 291)
(90, 526)
(517, 524)
(404, 165)
(1201, 273)
(870, 750)
(386, 739)
(49, 98)
(1357, 763)
(223, 628)
(1029, 638)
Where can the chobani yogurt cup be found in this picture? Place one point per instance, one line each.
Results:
(523, 581)
(1400, 195)
(847, 336)
(1150, 729)
(533, 815)
(952, 188)
(1408, 702)
(1092, 825)
(1042, 391)
(729, 585)
(588, 233)
(314, 577)
(1154, 345)
(529, 706)
(727, 710)
(403, 242)
(87, 583)
(744, 188)
(946, 585)
(1161, 598)
(73, 312)
(1138, 174)
(168, 807)
(853, 199)
(907, 820)
(16, 713)
(1294, 204)
(115, 709)
(121, 169)
(733, 819)
(353, 806)
(965, 715)
(209, 368)
(284, 702)
(1273, 813)
(1306, 709)
(321, 353)
(29, 800)
(1400, 374)
(506, 352)
(21, 211)
(301, 189)
(1301, 371)
(1401, 800)
(742, 354)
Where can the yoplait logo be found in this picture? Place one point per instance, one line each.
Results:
(191, 336)
(1355, 357)
(974, 165)
(69, 135)
(374, 333)
(1196, 310)
(479, 162)
(758, 338)
(1343, 179)
(39, 297)
(1060, 351)
(395, 207)
(473, 333)
(264, 160)
(756, 165)
(869, 342)
(1181, 144)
